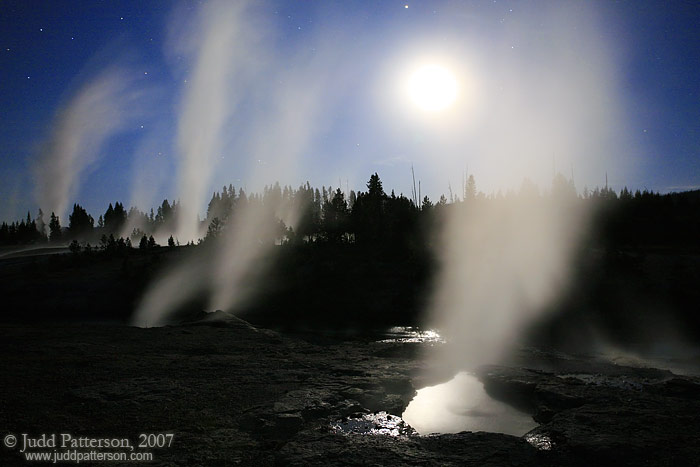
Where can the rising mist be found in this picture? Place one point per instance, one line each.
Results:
(99, 109)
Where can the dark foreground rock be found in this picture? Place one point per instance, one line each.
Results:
(233, 394)
(316, 448)
(593, 411)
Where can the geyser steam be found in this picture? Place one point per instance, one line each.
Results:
(504, 259)
(245, 104)
(98, 110)
(222, 46)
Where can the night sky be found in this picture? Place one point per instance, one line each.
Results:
(314, 93)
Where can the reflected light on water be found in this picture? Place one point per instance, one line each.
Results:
(541, 442)
(461, 404)
(409, 334)
(380, 423)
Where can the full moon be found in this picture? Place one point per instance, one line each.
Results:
(432, 88)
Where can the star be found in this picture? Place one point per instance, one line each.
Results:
(405, 6)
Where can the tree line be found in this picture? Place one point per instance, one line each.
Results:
(370, 217)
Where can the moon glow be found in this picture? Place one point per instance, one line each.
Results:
(432, 88)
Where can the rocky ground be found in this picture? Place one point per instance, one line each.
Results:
(231, 393)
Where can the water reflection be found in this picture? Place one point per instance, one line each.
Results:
(380, 423)
(461, 404)
(541, 442)
(413, 335)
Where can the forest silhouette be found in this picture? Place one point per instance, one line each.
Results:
(360, 259)
(372, 217)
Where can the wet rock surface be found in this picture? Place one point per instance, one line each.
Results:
(591, 410)
(235, 394)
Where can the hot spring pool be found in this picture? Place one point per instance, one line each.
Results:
(462, 404)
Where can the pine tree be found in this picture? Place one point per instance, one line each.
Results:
(470, 188)
(335, 216)
(55, 228)
(374, 187)
(109, 218)
(215, 228)
(80, 223)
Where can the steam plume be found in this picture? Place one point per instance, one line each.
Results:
(80, 129)
(223, 49)
(503, 261)
(274, 112)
